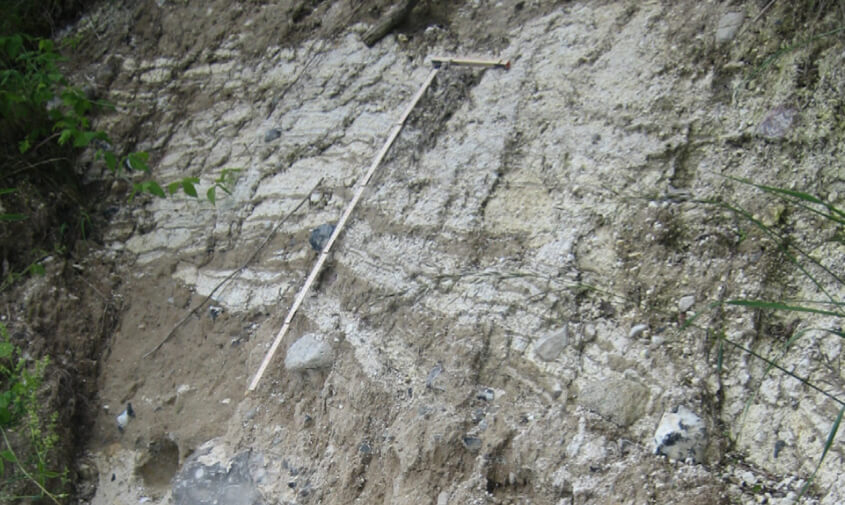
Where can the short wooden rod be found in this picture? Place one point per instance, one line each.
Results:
(439, 60)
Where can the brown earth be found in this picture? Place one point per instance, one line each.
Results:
(97, 318)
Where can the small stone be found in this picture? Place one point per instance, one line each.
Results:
(551, 346)
(432, 375)
(214, 311)
(320, 236)
(250, 414)
(637, 330)
(124, 417)
(681, 436)
(272, 134)
(486, 394)
(749, 478)
(777, 123)
(728, 26)
(779, 445)
(686, 303)
(309, 352)
(471, 443)
(589, 333)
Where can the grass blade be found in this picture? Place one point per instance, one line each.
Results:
(769, 366)
(798, 195)
(759, 304)
(829, 442)
(800, 379)
(780, 243)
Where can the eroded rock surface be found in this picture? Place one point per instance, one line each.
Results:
(566, 190)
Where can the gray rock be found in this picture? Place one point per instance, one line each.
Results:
(728, 26)
(681, 436)
(272, 134)
(778, 123)
(320, 236)
(471, 443)
(436, 370)
(622, 401)
(199, 484)
(551, 346)
(637, 330)
(486, 394)
(124, 417)
(686, 303)
(308, 353)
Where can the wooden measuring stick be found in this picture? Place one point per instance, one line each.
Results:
(315, 271)
(439, 60)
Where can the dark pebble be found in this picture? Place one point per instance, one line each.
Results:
(486, 394)
(779, 445)
(272, 134)
(471, 443)
(320, 236)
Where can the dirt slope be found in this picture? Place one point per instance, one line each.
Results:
(563, 193)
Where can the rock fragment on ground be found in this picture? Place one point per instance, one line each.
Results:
(686, 303)
(778, 123)
(272, 134)
(681, 436)
(215, 483)
(729, 25)
(320, 236)
(310, 352)
(552, 345)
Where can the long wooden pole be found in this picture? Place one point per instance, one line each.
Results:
(315, 271)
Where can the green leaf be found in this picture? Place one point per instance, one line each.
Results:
(37, 269)
(84, 138)
(111, 160)
(8, 455)
(173, 187)
(138, 161)
(45, 45)
(188, 186)
(154, 189)
(6, 349)
(65, 136)
(12, 217)
(6, 191)
(13, 45)
(211, 195)
(24, 145)
(759, 304)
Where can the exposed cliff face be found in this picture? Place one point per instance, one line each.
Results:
(566, 192)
